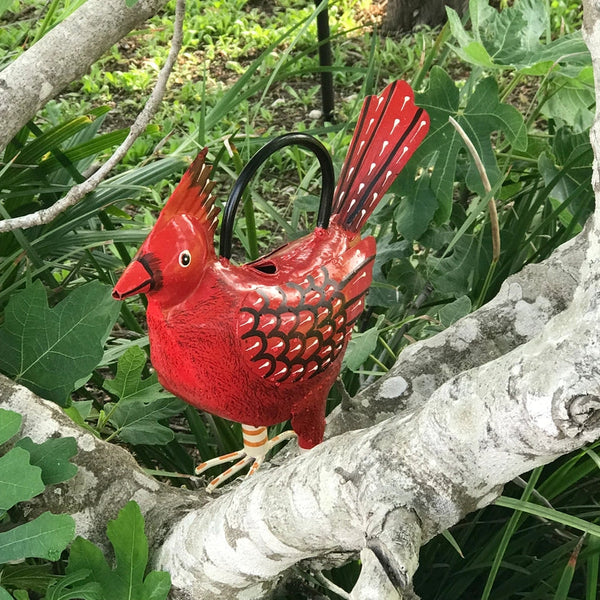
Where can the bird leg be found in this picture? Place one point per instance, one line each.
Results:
(256, 446)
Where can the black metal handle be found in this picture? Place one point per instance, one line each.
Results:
(288, 139)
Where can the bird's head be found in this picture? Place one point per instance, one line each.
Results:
(171, 262)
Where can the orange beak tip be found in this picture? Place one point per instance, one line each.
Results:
(134, 280)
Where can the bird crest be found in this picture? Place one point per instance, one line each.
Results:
(193, 195)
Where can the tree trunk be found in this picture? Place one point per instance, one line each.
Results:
(404, 15)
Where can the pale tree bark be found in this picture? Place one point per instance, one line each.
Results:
(44, 65)
(63, 55)
(510, 387)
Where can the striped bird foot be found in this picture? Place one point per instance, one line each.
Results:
(256, 447)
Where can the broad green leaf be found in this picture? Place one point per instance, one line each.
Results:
(574, 149)
(44, 537)
(406, 277)
(483, 115)
(572, 104)
(75, 587)
(10, 423)
(476, 54)
(19, 480)
(388, 250)
(157, 585)
(137, 422)
(510, 38)
(85, 556)
(119, 347)
(36, 578)
(453, 274)
(4, 595)
(481, 13)
(441, 146)
(126, 581)
(414, 214)
(361, 345)
(513, 34)
(450, 313)
(142, 402)
(52, 456)
(485, 111)
(49, 349)
(382, 292)
(456, 27)
(128, 384)
(569, 46)
(126, 534)
(84, 409)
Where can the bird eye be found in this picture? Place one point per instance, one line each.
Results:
(185, 258)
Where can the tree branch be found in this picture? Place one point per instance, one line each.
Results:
(77, 192)
(431, 467)
(63, 55)
(525, 303)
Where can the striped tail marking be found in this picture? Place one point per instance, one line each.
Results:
(389, 129)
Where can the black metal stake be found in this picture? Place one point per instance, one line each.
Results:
(326, 61)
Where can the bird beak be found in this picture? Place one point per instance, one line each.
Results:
(138, 278)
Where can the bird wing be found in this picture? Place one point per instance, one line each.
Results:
(293, 331)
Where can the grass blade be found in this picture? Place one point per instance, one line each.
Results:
(550, 514)
(564, 585)
(509, 531)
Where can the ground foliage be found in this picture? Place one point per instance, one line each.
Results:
(518, 81)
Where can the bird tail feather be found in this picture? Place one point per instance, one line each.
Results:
(389, 129)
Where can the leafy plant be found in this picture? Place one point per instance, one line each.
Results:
(519, 87)
(128, 579)
(25, 471)
(51, 349)
(511, 38)
(75, 587)
(143, 403)
(538, 163)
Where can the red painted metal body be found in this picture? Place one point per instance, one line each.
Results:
(263, 342)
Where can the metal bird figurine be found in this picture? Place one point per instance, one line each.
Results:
(262, 342)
